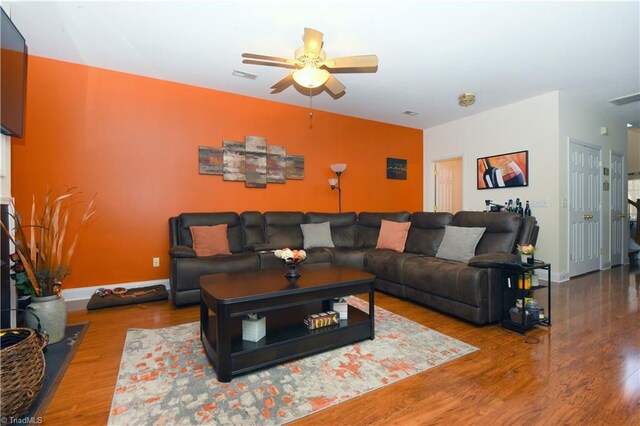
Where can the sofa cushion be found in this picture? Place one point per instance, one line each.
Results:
(351, 257)
(459, 243)
(344, 226)
(188, 271)
(446, 278)
(501, 229)
(369, 226)
(316, 235)
(231, 219)
(252, 228)
(386, 264)
(210, 240)
(393, 235)
(282, 229)
(426, 232)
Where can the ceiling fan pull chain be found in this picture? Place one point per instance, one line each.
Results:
(310, 110)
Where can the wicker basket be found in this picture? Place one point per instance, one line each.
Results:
(21, 371)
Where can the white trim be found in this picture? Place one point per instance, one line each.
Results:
(85, 293)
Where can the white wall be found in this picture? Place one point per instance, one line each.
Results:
(542, 125)
(530, 125)
(583, 123)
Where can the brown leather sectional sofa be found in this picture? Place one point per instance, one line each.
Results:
(467, 290)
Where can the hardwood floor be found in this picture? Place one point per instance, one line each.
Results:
(585, 370)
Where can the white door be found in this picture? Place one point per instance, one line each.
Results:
(584, 209)
(448, 185)
(618, 211)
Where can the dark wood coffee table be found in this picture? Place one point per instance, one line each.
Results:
(227, 298)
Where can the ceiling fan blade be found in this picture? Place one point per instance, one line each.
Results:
(363, 61)
(265, 57)
(312, 41)
(271, 64)
(282, 84)
(334, 86)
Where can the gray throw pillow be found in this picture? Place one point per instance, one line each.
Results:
(459, 243)
(317, 235)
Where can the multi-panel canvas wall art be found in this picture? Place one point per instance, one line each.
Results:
(254, 162)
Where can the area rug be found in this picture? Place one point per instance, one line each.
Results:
(165, 377)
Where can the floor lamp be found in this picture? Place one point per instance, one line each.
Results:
(335, 183)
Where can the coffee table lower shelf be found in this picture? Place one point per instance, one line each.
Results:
(283, 345)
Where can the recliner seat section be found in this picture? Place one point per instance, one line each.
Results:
(186, 268)
(468, 292)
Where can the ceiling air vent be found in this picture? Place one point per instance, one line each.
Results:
(623, 100)
(244, 74)
(410, 113)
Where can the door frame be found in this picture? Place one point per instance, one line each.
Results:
(625, 209)
(430, 184)
(574, 141)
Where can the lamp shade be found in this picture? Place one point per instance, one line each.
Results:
(333, 182)
(338, 168)
(310, 76)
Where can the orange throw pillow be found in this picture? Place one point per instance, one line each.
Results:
(393, 235)
(210, 240)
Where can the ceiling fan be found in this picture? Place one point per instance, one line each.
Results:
(312, 68)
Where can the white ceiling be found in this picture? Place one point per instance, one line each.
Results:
(429, 52)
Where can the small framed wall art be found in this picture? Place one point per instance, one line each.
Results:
(503, 170)
(396, 168)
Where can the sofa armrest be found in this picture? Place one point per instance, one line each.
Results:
(182, 251)
(262, 247)
(494, 260)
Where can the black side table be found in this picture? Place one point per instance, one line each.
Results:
(514, 287)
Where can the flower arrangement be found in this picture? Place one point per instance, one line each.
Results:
(527, 249)
(291, 256)
(42, 259)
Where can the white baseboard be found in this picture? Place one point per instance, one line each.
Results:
(556, 277)
(85, 293)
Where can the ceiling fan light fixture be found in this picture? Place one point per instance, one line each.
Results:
(310, 76)
(466, 99)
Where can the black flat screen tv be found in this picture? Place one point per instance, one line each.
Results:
(13, 76)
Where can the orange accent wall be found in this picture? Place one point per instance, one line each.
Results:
(134, 141)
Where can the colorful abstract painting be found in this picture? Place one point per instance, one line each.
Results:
(295, 167)
(276, 164)
(255, 162)
(233, 157)
(209, 160)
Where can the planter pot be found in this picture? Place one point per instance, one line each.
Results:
(52, 311)
(527, 258)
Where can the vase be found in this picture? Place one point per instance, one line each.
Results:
(292, 271)
(52, 312)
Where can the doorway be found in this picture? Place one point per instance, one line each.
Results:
(448, 185)
(619, 235)
(584, 208)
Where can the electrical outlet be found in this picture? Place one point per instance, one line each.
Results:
(156, 262)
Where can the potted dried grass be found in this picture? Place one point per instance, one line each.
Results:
(45, 255)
